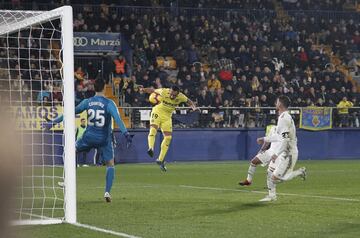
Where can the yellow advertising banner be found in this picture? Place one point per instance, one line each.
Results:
(33, 117)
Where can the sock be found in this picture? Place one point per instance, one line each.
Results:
(110, 171)
(164, 147)
(251, 171)
(151, 137)
(293, 174)
(271, 184)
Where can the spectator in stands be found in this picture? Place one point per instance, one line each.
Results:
(183, 71)
(343, 111)
(145, 81)
(91, 70)
(79, 94)
(193, 54)
(189, 84)
(57, 93)
(157, 83)
(45, 93)
(79, 21)
(181, 56)
(259, 115)
(79, 74)
(120, 67)
(320, 103)
(90, 90)
(354, 94)
(303, 58)
(213, 83)
(152, 53)
(204, 99)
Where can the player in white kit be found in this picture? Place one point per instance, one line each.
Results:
(262, 158)
(284, 159)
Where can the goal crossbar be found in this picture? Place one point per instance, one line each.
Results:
(41, 17)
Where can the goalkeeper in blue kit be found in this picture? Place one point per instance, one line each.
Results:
(98, 134)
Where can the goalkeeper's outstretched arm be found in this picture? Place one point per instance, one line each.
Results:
(115, 114)
(78, 109)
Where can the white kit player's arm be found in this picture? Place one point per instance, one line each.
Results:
(282, 135)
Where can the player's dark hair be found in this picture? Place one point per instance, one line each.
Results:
(99, 85)
(285, 100)
(175, 88)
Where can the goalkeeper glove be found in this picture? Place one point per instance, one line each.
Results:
(48, 124)
(129, 139)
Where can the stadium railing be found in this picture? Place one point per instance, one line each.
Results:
(238, 117)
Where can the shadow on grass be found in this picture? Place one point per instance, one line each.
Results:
(234, 209)
(343, 229)
(97, 201)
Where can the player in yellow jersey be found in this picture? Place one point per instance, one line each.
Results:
(161, 118)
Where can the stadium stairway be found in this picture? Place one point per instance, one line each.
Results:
(109, 93)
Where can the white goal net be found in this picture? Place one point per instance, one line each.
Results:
(36, 81)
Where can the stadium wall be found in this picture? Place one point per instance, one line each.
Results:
(239, 144)
(220, 145)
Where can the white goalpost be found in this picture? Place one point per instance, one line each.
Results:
(37, 82)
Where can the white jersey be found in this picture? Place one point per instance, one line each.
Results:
(285, 135)
(265, 156)
(274, 146)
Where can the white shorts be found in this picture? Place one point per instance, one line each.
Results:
(265, 157)
(284, 164)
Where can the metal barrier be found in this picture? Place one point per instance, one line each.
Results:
(336, 16)
(237, 117)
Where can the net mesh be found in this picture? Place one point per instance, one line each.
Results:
(31, 83)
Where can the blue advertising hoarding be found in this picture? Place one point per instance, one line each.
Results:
(97, 42)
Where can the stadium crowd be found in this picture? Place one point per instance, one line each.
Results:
(229, 59)
(250, 59)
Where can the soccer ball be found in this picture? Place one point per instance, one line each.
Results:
(155, 98)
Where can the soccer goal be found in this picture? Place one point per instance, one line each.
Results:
(36, 80)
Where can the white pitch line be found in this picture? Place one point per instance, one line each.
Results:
(284, 194)
(94, 228)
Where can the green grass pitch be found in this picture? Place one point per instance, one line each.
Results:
(203, 200)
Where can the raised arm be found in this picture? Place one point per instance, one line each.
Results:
(147, 90)
(115, 114)
(191, 104)
(78, 109)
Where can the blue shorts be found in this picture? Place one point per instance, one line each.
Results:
(104, 147)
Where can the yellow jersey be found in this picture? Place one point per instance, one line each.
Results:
(343, 107)
(168, 105)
